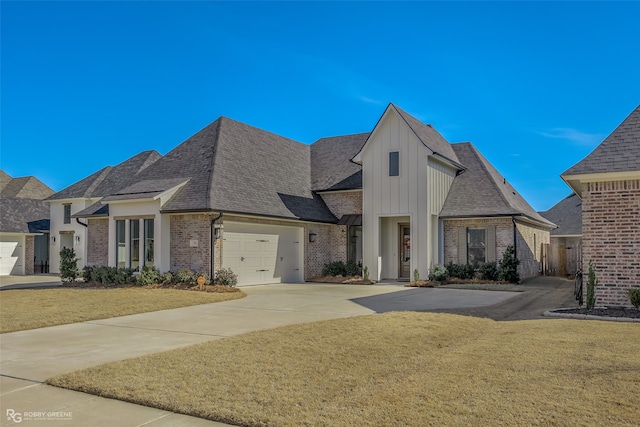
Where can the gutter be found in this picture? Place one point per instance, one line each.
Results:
(82, 223)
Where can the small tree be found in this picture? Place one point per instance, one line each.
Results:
(592, 282)
(509, 266)
(68, 265)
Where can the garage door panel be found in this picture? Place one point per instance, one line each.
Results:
(11, 258)
(270, 254)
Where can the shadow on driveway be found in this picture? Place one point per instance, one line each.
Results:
(538, 295)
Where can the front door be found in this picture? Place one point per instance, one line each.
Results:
(405, 252)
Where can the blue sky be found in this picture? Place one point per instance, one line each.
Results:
(535, 86)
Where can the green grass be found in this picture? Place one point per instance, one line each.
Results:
(412, 369)
(31, 308)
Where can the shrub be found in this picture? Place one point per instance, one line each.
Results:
(439, 273)
(87, 272)
(365, 273)
(226, 277)
(68, 265)
(634, 297)
(592, 282)
(184, 276)
(166, 278)
(109, 275)
(148, 276)
(508, 269)
(336, 268)
(351, 269)
(489, 271)
(416, 275)
(461, 271)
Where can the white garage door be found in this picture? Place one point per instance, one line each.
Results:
(11, 257)
(261, 254)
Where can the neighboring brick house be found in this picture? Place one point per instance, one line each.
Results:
(564, 257)
(276, 210)
(24, 225)
(608, 183)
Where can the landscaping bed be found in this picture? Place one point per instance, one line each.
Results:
(346, 280)
(626, 312)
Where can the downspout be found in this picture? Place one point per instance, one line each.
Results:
(213, 243)
(515, 235)
(81, 223)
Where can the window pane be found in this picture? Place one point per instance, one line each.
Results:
(394, 163)
(67, 214)
(355, 244)
(134, 243)
(120, 244)
(476, 246)
(148, 243)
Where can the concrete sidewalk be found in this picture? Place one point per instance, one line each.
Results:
(30, 357)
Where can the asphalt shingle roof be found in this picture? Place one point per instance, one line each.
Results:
(20, 215)
(26, 187)
(109, 179)
(567, 215)
(429, 136)
(331, 165)
(482, 191)
(234, 167)
(619, 152)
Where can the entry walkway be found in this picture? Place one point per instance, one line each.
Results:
(30, 357)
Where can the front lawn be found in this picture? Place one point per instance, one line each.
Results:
(38, 308)
(412, 369)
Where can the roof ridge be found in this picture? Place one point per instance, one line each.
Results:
(105, 172)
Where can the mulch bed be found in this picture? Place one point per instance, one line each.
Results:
(345, 280)
(630, 313)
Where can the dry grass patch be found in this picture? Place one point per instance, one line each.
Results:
(30, 308)
(413, 369)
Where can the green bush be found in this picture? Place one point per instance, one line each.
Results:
(68, 265)
(592, 282)
(351, 269)
(489, 271)
(365, 273)
(508, 269)
(438, 273)
(461, 271)
(336, 268)
(185, 276)
(108, 275)
(166, 278)
(148, 276)
(226, 277)
(634, 297)
(416, 275)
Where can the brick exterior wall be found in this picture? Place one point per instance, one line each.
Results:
(611, 238)
(98, 242)
(185, 228)
(343, 203)
(529, 258)
(29, 254)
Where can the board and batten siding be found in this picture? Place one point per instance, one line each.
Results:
(415, 196)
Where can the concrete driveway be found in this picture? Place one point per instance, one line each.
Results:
(30, 357)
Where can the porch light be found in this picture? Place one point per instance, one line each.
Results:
(354, 239)
(77, 240)
(53, 239)
(216, 233)
(312, 237)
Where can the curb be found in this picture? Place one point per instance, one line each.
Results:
(589, 317)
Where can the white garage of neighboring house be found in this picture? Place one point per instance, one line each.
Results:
(260, 254)
(12, 255)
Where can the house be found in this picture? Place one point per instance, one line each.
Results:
(608, 183)
(565, 250)
(68, 231)
(395, 200)
(24, 225)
